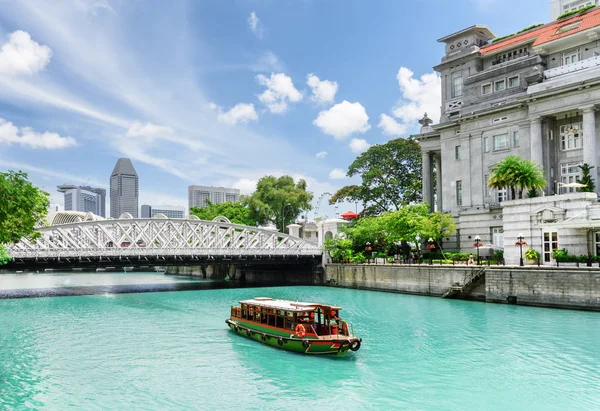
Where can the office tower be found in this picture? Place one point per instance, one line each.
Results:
(149, 211)
(83, 198)
(197, 195)
(124, 189)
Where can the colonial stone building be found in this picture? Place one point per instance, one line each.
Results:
(533, 94)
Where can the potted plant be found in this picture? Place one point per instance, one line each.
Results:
(531, 256)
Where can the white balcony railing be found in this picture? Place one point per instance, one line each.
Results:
(573, 67)
(453, 105)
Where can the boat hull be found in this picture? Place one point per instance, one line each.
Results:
(291, 342)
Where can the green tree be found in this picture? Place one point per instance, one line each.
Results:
(22, 207)
(390, 174)
(237, 213)
(586, 178)
(277, 198)
(339, 248)
(518, 175)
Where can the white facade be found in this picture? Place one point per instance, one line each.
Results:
(149, 211)
(84, 199)
(558, 7)
(198, 195)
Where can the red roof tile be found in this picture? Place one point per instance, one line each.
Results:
(548, 33)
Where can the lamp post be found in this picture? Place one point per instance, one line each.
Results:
(477, 245)
(283, 217)
(521, 243)
(418, 240)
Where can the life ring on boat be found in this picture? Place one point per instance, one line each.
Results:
(264, 337)
(300, 330)
(280, 341)
(355, 346)
(249, 333)
(305, 343)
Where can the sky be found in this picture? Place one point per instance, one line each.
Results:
(222, 92)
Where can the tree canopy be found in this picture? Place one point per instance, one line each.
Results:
(518, 175)
(237, 213)
(22, 207)
(277, 198)
(390, 174)
(586, 178)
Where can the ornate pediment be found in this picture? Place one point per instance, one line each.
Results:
(548, 214)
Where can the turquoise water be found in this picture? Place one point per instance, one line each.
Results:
(172, 350)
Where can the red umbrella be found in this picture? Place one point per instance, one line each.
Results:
(350, 215)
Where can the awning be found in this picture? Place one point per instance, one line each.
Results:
(349, 215)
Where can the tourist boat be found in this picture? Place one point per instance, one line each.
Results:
(308, 328)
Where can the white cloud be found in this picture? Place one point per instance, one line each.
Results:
(323, 91)
(22, 55)
(255, 25)
(359, 145)
(391, 127)
(240, 113)
(418, 97)
(321, 155)
(148, 131)
(245, 185)
(343, 120)
(337, 174)
(280, 90)
(26, 137)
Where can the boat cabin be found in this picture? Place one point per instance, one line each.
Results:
(316, 319)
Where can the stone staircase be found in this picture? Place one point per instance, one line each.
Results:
(469, 282)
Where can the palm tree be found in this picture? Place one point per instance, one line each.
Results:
(517, 174)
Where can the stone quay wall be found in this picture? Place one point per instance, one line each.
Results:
(564, 287)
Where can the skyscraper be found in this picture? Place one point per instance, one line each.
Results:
(197, 195)
(84, 198)
(124, 189)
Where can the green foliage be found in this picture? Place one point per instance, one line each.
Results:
(563, 256)
(533, 26)
(502, 38)
(390, 174)
(275, 198)
(586, 178)
(4, 256)
(22, 207)
(532, 194)
(237, 213)
(531, 254)
(518, 174)
(340, 249)
(574, 12)
(498, 255)
(358, 258)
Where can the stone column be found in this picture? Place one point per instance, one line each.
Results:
(535, 142)
(427, 179)
(589, 141)
(438, 177)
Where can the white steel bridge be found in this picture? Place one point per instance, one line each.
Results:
(156, 241)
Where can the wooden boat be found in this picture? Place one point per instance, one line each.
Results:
(308, 328)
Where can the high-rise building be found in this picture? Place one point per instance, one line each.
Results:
(84, 198)
(149, 211)
(197, 195)
(124, 189)
(558, 7)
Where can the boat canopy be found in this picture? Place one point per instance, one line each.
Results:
(294, 306)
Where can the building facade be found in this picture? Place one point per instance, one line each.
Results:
(533, 95)
(558, 7)
(84, 199)
(124, 189)
(198, 195)
(149, 211)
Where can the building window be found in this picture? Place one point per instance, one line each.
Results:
(486, 89)
(597, 242)
(486, 188)
(486, 144)
(515, 139)
(457, 152)
(513, 82)
(498, 237)
(570, 57)
(568, 27)
(569, 173)
(500, 85)
(502, 195)
(571, 136)
(457, 83)
(501, 142)
(459, 193)
(550, 244)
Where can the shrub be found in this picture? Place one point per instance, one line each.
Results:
(533, 26)
(358, 258)
(574, 12)
(502, 38)
(498, 255)
(531, 254)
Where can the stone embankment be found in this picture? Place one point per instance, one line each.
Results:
(575, 288)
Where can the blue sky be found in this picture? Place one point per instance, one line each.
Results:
(221, 92)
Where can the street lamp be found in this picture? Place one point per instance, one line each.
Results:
(520, 244)
(477, 245)
(418, 240)
(283, 217)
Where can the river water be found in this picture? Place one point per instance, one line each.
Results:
(172, 350)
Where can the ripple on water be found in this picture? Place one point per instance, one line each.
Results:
(174, 351)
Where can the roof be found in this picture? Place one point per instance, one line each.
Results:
(294, 306)
(350, 214)
(483, 29)
(124, 166)
(547, 33)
